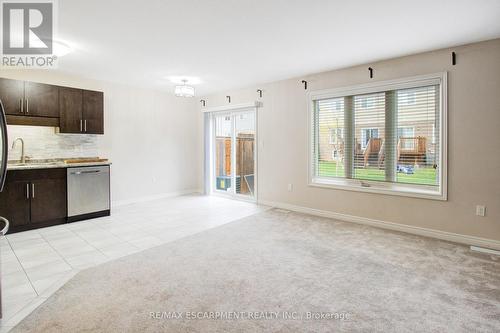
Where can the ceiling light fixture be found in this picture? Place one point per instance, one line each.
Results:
(184, 90)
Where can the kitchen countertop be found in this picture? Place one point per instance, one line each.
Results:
(53, 164)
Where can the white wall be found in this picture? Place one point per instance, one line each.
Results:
(474, 142)
(150, 137)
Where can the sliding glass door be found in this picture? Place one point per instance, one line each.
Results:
(233, 153)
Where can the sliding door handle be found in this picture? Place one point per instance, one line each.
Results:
(27, 190)
(85, 125)
(32, 191)
(81, 125)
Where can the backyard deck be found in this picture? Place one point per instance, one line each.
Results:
(410, 151)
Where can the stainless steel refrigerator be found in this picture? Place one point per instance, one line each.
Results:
(3, 174)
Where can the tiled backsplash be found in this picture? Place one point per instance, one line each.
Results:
(44, 143)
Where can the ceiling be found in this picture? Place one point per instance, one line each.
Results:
(233, 44)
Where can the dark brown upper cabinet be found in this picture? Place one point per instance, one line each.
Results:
(12, 96)
(29, 99)
(42, 100)
(70, 110)
(38, 104)
(81, 111)
(29, 103)
(93, 112)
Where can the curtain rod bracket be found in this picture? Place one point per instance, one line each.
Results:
(305, 84)
(203, 102)
(371, 72)
(228, 99)
(453, 58)
(260, 92)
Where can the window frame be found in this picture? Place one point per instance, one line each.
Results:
(399, 189)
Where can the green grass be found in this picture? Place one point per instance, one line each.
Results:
(422, 175)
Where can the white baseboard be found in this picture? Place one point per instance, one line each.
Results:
(119, 203)
(444, 235)
(483, 250)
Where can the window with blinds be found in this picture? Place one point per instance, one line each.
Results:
(330, 119)
(385, 137)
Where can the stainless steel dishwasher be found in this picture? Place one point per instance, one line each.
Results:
(88, 192)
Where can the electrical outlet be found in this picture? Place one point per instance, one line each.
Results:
(290, 187)
(480, 210)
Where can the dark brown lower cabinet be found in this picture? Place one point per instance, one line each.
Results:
(48, 200)
(34, 198)
(15, 203)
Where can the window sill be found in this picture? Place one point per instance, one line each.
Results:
(405, 190)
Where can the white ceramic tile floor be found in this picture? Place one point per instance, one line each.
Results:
(36, 263)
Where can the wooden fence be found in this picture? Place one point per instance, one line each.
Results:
(245, 145)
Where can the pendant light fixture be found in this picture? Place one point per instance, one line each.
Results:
(184, 90)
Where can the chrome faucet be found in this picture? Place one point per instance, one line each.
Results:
(23, 157)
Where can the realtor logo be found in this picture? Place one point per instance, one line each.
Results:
(27, 33)
(27, 28)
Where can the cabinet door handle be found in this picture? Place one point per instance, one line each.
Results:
(85, 125)
(27, 191)
(81, 125)
(27, 106)
(32, 191)
(22, 105)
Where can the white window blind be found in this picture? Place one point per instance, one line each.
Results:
(387, 138)
(369, 133)
(330, 121)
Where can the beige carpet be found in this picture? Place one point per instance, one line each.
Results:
(275, 269)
